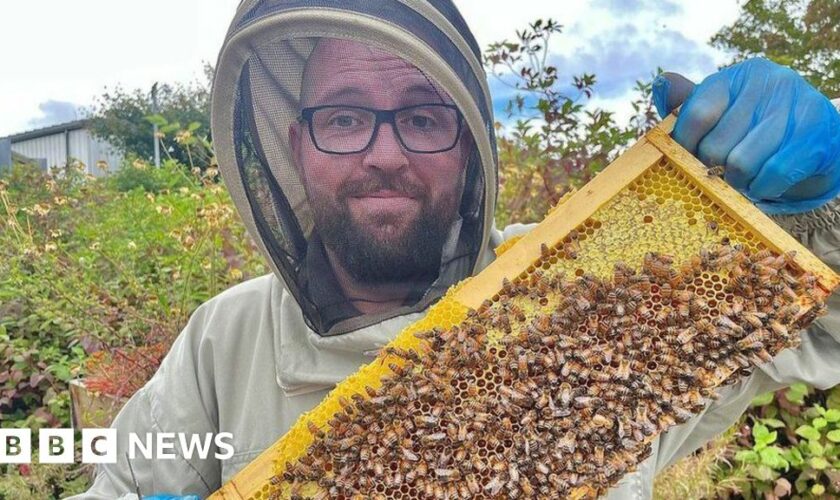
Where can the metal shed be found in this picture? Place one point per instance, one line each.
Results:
(55, 145)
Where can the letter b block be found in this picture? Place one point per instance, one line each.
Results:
(15, 446)
(55, 446)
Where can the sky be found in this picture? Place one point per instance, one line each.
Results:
(57, 55)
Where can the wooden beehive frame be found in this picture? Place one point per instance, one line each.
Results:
(648, 151)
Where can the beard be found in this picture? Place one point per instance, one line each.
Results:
(412, 255)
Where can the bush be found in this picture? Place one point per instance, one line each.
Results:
(40, 481)
(87, 267)
(136, 174)
(790, 445)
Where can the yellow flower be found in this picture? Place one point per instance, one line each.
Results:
(41, 209)
(132, 245)
(235, 274)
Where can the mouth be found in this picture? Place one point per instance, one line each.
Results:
(385, 201)
(385, 194)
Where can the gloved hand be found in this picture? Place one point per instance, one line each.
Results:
(776, 135)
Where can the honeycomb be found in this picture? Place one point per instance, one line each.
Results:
(556, 383)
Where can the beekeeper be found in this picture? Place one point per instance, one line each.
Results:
(357, 141)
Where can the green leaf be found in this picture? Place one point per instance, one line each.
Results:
(762, 399)
(832, 415)
(834, 436)
(796, 393)
(760, 432)
(808, 432)
(772, 457)
(773, 423)
(818, 489)
(62, 372)
(158, 120)
(818, 463)
(794, 456)
(763, 473)
(816, 448)
(747, 456)
(819, 423)
(170, 128)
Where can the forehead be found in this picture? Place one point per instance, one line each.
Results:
(349, 72)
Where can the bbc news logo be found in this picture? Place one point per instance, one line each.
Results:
(99, 446)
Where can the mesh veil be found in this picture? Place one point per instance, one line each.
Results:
(258, 98)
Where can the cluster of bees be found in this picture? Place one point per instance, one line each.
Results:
(557, 387)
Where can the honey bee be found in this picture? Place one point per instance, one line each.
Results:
(446, 475)
(520, 365)
(778, 328)
(402, 371)
(568, 443)
(755, 319)
(494, 486)
(314, 429)
(662, 315)
(545, 252)
(686, 335)
(430, 439)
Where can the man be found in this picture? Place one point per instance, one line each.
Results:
(357, 141)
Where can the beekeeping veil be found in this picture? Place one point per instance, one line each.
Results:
(267, 85)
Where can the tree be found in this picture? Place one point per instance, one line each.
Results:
(802, 34)
(124, 118)
(557, 143)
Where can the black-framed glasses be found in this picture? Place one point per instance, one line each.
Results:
(424, 128)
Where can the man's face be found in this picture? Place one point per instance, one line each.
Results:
(385, 211)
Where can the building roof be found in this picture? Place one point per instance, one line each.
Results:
(46, 131)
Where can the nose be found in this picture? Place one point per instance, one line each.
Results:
(386, 152)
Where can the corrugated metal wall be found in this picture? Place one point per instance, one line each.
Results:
(82, 146)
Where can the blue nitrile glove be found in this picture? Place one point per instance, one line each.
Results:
(164, 496)
(777, 136)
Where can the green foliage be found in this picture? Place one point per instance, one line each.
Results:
(125, 118)
(556, 143)
(801, 34)
(789, 445)
(136, 174)
(96, 266)
(40, 481)
(86, 266)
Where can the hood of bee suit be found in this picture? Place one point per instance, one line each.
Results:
(310, 193)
